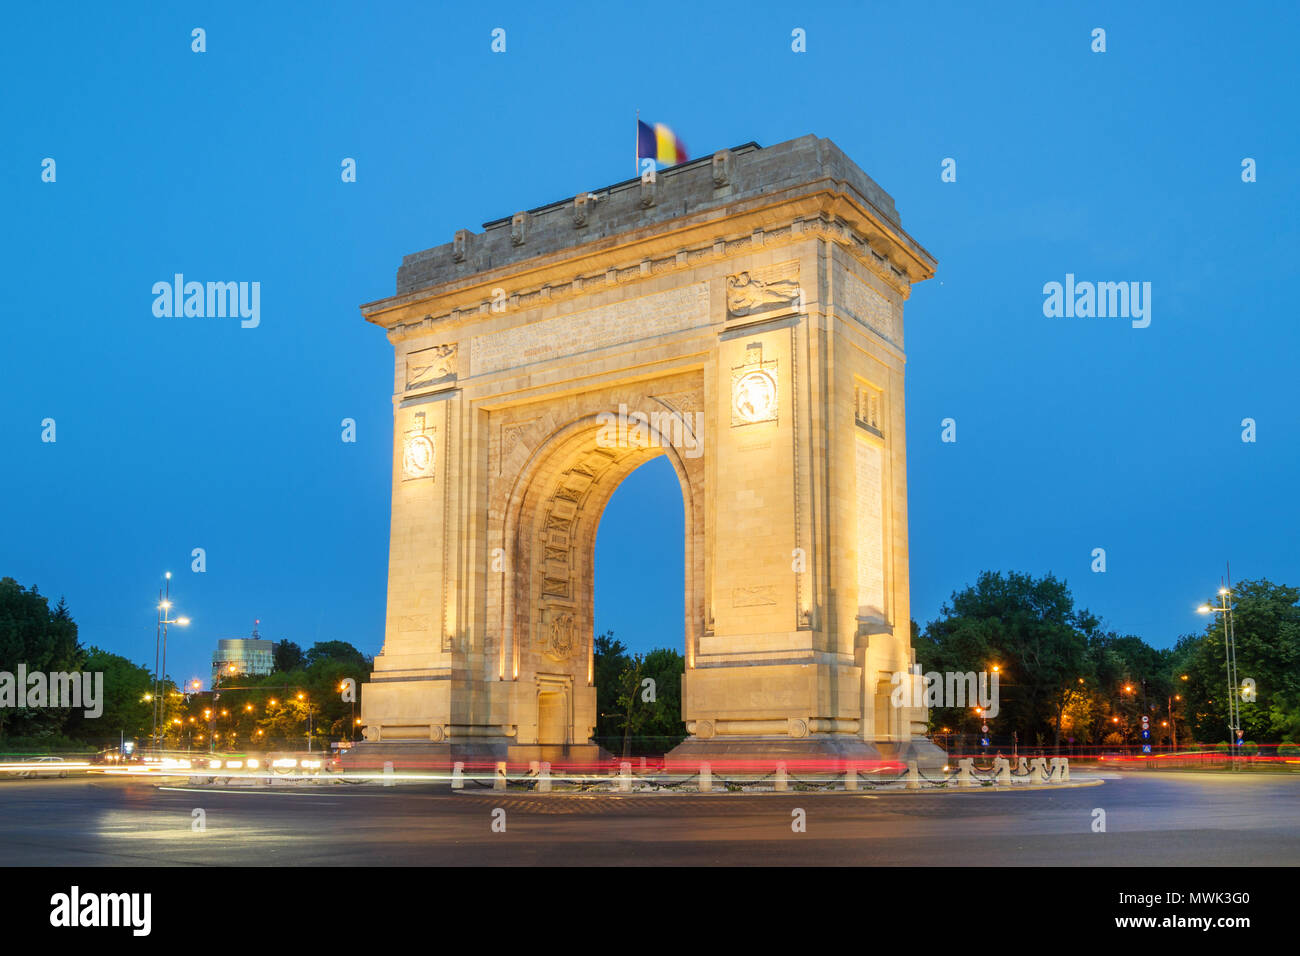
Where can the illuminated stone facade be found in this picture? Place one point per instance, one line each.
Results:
(746, 312)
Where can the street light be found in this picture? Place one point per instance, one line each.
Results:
(303, 697)
(164, 609)
(1225, 607)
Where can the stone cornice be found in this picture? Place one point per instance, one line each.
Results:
(831, 214)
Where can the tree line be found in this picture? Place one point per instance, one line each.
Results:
(1065, 677)
(302, 697)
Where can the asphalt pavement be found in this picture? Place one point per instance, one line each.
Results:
(1161, 819)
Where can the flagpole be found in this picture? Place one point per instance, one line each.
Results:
(636, 145)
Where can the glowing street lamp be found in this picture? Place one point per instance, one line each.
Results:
(303, 697)
(164, 620)
(1224, 607)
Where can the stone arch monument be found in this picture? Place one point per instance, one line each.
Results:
(741, 314)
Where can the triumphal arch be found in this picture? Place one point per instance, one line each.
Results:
(740, 314)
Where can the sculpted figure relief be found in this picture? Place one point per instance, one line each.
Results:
(747, 294)
(430, 365)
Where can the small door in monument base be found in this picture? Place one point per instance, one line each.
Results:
(552, 716)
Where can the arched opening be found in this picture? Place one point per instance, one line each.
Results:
(559, 496)
(640, 613)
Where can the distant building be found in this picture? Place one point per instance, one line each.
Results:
(238, 656)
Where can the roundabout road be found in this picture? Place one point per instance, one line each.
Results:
(1160, 819)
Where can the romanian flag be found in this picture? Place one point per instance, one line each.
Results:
(659, 143)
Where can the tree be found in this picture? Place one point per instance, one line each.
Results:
(609, 660)
(288, 656)
(645, 718)
(665, 667)
(46, 642)
(286, 721)
(629, 688)
(127, 702)
(1030, 630)
(1266, 628)
(340, 651)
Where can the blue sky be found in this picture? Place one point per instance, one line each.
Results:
(1072, 434)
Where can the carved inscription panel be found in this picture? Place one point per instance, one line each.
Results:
(627, 321)
(871, 531)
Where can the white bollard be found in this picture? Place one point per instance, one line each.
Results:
(1002, 771)
(781, 782)
(625, 777)
(458, 775)
(706, 778)
(1022, 766)
(914, 775)
(1055, 775)
(966, 775)
(851, 778)
(544, 777)
(499, 783)
(1065, 770)
(388, 773)
(1040, 770)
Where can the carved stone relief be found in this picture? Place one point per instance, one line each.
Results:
(430, 366)
(775, 288)
(418, 449)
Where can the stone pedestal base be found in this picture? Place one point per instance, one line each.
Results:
(575, 758)
(742, 757)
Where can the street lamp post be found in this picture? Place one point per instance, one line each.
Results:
(1224, 607)
(160, 671)
(307, 704)
(153, 701)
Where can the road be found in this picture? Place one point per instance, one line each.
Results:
(1175, 819)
